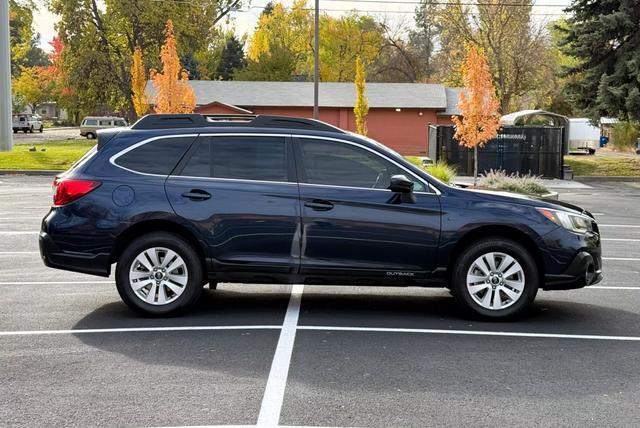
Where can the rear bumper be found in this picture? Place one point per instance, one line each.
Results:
(52, 256)
(584, 270)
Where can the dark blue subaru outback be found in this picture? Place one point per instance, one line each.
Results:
(179, 201)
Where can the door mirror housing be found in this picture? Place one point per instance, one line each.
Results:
(403, 189)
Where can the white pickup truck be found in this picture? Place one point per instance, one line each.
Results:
(27, 123)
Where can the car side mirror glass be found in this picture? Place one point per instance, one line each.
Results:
(403, 189)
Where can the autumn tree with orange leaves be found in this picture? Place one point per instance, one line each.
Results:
(173, 93)
(138, 83)
(478, 106)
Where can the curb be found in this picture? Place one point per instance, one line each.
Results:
(34, 172)
(604, 178)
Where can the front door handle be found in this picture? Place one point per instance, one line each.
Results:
(319, 205)
(197, 195)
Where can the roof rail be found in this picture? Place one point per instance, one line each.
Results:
(171, 121)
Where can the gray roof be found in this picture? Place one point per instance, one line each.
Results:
(453, 96)
(300, 94)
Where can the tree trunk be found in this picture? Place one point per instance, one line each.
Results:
(475, 166)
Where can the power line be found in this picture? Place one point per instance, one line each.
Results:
(387, 11)
(438, 3)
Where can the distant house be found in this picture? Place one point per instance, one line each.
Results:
(399, 113)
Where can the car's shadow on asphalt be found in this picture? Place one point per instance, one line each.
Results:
(248, 353)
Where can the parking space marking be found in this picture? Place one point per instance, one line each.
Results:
(619, 225)
(621, 239)
(472, 333)
(19, 232)
(55, 282)
(10, 253)
(624, 259)
(138, 330)
(273, 398)
(612, 287)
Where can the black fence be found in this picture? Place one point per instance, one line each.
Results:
(536, 150)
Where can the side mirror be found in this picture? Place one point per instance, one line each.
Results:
(401, 184)
(403, 189)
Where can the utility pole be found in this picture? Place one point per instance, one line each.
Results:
(6, 142)
(316, 59)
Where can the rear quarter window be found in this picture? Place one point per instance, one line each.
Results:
(155, 157)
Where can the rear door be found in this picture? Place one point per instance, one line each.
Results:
(241, 193)
(351, 224)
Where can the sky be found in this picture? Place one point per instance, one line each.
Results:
(397, 12)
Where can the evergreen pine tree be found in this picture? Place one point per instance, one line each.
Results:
(232, 59)
(605, 38)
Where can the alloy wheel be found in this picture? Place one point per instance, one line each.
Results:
(495, 281)
(158, 276)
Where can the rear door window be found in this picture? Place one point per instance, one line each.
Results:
(155, 157)
(256, 158)
(104, 123)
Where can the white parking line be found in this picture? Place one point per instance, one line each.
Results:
(54, 282)
(19, 232)
(625, 259)
(619, 225)
(621, 239)
(138, 330)
(9, 253)
(274, 393)
(472, 333)
(611, 287)
(277, 382)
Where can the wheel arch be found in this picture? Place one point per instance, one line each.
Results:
(158, 225)
(497, 231)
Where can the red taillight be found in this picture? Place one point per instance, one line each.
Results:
(67, 190)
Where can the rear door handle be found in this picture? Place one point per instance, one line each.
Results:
(197, 195)
(319, 205)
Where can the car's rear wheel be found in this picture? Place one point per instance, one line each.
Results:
(41, 129)
(159, 274)
(90, 136)
(496, 278)
(31, 129)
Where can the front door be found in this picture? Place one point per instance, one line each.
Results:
(241, 195)
(351, 224)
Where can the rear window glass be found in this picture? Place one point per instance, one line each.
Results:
(243, 158)
(155, 157)
(90, 122)
(104, 122)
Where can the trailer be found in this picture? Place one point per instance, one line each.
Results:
(583, 136)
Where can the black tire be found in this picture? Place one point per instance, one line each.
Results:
(192, 289)
(41, 129)
(31, 130)
(498, 245)
(15, 131)
(90, 136)
(592, 151)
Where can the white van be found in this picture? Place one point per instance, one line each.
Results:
(91, 124)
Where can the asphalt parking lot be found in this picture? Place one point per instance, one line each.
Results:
(72, 354)
(49, 134)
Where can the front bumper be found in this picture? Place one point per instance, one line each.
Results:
(584, 270)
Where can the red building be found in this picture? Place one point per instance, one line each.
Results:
(399, 113)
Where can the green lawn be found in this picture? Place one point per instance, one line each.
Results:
(604, 166)
(59, 155)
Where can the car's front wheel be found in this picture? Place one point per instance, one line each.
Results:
(496, 278)
(159, 274)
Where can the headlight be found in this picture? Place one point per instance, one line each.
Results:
(577, 223)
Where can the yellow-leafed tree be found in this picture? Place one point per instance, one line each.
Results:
(173, 93)
(478, 105)
(361, 108)
(138, 83)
